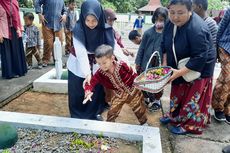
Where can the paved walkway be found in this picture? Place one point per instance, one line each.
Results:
(10, 89)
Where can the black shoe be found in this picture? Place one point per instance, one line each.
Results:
(228, 119)
(226, 149)
(219, 116)
(146, 100)
(99, 118)
(154, 107)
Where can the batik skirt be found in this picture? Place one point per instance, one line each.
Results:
(190, 105)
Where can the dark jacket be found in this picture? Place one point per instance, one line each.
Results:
(193, 40)
(151, 42)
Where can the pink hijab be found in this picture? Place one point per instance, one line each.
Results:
(12, 11)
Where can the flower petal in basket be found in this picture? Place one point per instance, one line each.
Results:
(148, 82)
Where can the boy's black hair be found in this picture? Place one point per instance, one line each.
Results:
(202, 3)
(160, 11)
(29, 15)
(133, 34)
(103, 50)
(72, 1)
(187, 3)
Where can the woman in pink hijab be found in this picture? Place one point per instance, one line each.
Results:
(11, 46)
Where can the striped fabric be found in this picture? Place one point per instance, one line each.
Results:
(212, 27)
(221, 93)
(223, 34)
(135, 102)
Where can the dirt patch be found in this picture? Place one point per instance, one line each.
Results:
(39, 103)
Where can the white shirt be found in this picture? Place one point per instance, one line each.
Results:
(80, 66)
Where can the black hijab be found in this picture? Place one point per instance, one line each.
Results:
(101, 34)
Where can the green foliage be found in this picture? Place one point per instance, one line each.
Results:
(26, 3)
(164, 2)
(215, 5)
(6, 151)
(107, 4)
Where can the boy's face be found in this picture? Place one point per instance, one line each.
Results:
(137, 40)
(105, 63)
(72, 6)
(27, 21)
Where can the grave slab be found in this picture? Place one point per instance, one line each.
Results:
(150, 136)
(48, 83)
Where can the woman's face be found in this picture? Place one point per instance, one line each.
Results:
(91, 21)
(179, 14)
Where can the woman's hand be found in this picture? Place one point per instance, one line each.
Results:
(87, 80)
(178, 73)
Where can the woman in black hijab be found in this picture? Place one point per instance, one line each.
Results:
(90, 32)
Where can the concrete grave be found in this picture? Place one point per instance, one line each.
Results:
(150, 136)
(49, 83)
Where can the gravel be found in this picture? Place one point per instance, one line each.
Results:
(43, 141)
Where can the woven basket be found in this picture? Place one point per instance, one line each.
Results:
(155, 85)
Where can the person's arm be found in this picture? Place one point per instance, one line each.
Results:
(141, 50)
(90, 87)
(164, 63)
(1, 28)
(135, 24)
(38, 4)
(163, 49)
(223, 25)
(38, 10)
(199, 49)
(82, 57)
(38, 38)
(67, 23)
(64, 13)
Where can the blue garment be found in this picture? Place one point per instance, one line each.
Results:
(71, 20)
(193, 40)
(52, 11)
(151, 42)
(223, 35)
(33, 36)
(138, 23)
(101, 34)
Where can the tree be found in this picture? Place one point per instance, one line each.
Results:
(164, 2)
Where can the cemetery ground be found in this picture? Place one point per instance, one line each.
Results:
(17, 95)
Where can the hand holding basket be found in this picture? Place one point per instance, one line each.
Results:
(153, 79)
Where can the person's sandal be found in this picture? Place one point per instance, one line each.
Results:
(165, 120)
(178, 130)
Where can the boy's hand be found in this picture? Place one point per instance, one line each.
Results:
(88, 96)
(87, 80)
